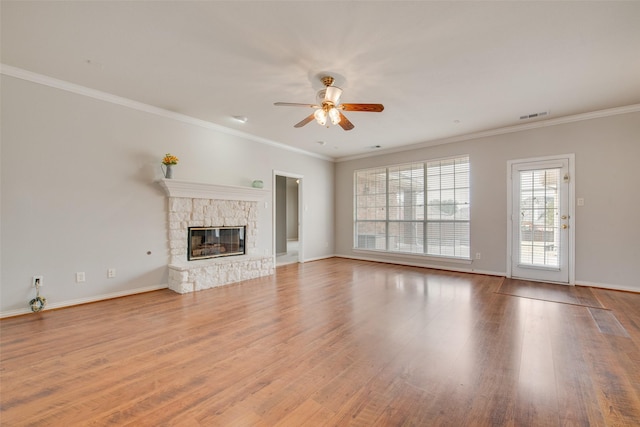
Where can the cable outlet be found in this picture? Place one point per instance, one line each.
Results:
(111, 273)
(37, 281)
(80, 277)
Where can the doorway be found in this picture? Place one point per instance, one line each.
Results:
(540, 213)
(287, 218)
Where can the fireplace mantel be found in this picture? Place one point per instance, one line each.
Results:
(200, 190)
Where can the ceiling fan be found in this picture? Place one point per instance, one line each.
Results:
(329, 107)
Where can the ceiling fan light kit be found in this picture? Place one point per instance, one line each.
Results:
(329, 106)
(334, 115)
(320, 116)
(332, 94)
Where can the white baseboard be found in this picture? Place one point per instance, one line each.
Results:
(489, 273)
(320, 257)
(305, 260)
(79, 301)
(607, 286)
(432, 266)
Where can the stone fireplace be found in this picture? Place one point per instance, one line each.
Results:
(199, 206)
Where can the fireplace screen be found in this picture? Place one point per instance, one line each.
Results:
(212, 242)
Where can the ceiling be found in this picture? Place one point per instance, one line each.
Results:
(441, 69)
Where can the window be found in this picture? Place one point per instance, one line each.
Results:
(416, 208)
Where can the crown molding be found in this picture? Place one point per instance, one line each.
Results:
(22, 74)
(634, 108)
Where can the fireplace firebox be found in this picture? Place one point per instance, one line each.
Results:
(213, 242)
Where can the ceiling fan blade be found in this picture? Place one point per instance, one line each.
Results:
(294, 104)
(373, 108)
(304, 121)
(345, 123)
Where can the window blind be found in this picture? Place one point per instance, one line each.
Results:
(416, 208)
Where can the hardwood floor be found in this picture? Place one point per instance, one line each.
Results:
(331, 342)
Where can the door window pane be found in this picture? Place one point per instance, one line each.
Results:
(539, 217)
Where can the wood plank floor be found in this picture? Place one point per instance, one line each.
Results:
(331, 342)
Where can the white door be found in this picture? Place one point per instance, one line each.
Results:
(540, 220)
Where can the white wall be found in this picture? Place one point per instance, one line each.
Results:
(281, 215)
(292, 209)
(78, 192)
(607, 176)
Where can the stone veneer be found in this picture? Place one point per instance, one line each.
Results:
(203, 205)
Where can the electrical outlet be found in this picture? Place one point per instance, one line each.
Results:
(37, 281)
(80, 277)
(111, 273)
(478, 255)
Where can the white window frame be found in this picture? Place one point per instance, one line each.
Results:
(465, 255)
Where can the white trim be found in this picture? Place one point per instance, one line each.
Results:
(80, 301)
(415, 256)
(634, 108)
(201, 190)
(431, 266)
(571, 158)
(281, 264)
(425, 221)
(19, 73)
(302, 261)
(608, 286)
(319, 258)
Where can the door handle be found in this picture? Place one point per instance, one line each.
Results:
(565, 226)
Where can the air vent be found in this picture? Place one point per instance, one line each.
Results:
(534, 115)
